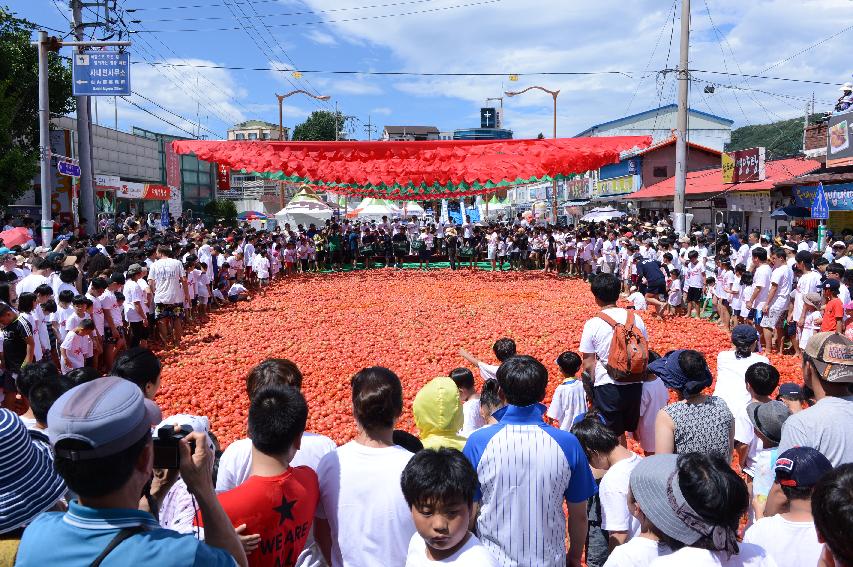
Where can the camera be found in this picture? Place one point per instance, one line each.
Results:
(166, 452)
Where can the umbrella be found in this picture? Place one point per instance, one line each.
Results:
(17, 236)
(790, 211)
(604, 214)
(251, 215)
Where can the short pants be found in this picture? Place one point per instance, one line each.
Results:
(694, 294)
(619, 405)
(168, 311)
(771, 318)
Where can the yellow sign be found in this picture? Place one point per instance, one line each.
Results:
(615, 186)
(513, 78)
(728, 168)
(296, 75)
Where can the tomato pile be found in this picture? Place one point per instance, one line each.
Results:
(414, 323)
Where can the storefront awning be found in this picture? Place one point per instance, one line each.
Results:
(415, 170)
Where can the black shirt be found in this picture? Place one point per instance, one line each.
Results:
(15, 344)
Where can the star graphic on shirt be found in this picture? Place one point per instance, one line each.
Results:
(285, 510)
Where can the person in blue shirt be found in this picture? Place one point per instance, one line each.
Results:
(101, 434)
(527, 471)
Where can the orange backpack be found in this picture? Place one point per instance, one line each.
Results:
(629, 351)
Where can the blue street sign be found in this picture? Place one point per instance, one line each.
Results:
(101, 73)
(820, 208)
(68, 168)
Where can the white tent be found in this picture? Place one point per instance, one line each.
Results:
(374, 209)
(602, 214)
(304, 208)
(496, 208)
(410, 209)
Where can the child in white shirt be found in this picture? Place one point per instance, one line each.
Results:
(674, 299)
(472, 419)
(569, 399)
(637, 300)
(73, 349)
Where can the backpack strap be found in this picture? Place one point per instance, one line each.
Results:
(124, 534)
(629, 321)
(608, 319)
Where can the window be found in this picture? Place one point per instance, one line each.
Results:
(240, 136)
(265, 136)
(253, 135)
(660, 171)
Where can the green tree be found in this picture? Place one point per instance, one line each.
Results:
(19, 128)
(221, 209)
(320, 126)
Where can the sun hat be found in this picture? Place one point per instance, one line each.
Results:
(654, 484)
(839, 244)
(668, 369)
(846, 87)
(832, 356)
(28, 483)
(812, 299)
(801, 467)
(744, 335)
(768, 418)
(109, 413)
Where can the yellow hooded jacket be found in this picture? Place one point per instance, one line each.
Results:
(438, 414)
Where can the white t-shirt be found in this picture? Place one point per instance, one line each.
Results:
(471, 554)
(750, 556)
(236, 462)
(261, 265)
(693, 274)
(654, 398)
(731, 385)
(472, 420)
(613, 493)
(488, 371)
(132, 296)
(638, 300)
(596, 337)
(745, 433)
(637, 552)
(75, 347)
(30, 283)
(568, 402)
(808, 283)
(97, 313)
(790, 544)
(783, 277)
(369, 526)
(761, 278)
(167, 274)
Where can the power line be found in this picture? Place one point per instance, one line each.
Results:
(654, 50)
(807, 49)
(809, 81)
(277, 14)
(345, 9)
(341, 21)
(176, 115)
(160, 118)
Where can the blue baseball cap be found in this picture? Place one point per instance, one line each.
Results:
(790, 390)
(744, 335)
(801, 467)
(110, 414)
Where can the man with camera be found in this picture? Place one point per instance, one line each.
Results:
(101, 434)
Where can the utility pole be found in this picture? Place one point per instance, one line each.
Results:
(87, 176)
(370, 128)
(336, 121)
(681, 126)
(44, 144)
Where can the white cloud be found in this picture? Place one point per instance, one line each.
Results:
(321, 38)
(556, 35)
(383, 110)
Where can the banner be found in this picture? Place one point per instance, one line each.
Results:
(743, 166)
(839, 146)
(613, 187)
(146, 191)
(577, 189)
(173, 167)
(752, 202)
(223, 177)
(839, 197)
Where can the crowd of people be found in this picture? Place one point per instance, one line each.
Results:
(740, 470)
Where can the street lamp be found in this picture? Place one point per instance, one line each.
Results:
(554, 96)
(281, 100)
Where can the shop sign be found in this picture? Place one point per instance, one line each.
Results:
(146, 191)
(744, 166)
(752, 202)
(612, 187)
(839, 146)
(839, 196)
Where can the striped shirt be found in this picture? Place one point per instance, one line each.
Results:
(526, 470)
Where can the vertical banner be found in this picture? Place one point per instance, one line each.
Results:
(223, 177)
(164, 214)
(173, 166)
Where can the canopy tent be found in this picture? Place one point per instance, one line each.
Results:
(415, 170)
(789, 212)
(602, 214)
(304, 208)
(411, 209)
(496, 207)
(252, 215)
(373, 209)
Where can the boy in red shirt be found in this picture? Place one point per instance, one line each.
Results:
(833, 311)
(277, 501)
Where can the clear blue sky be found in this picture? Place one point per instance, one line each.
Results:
(638, 38)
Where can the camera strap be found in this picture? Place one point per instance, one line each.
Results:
(115, 542)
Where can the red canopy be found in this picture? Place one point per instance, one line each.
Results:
(434, 169)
